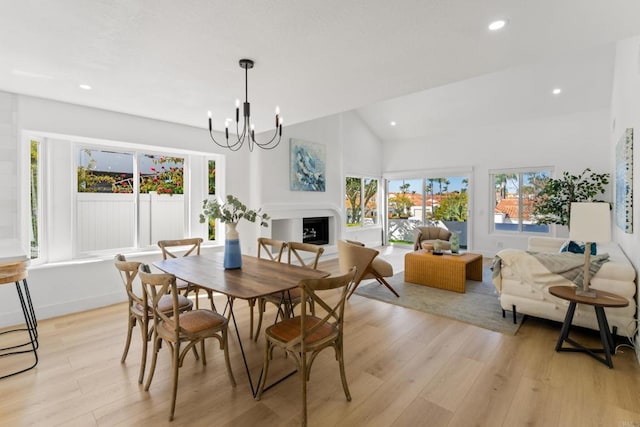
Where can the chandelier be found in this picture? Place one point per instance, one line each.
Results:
(247, 131)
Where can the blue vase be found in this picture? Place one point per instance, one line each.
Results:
(232, 253)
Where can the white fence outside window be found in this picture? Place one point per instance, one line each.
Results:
(107, 221)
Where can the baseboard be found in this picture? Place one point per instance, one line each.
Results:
(54, 310)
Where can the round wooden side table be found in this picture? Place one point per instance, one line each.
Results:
(15, 271)
(599, 302)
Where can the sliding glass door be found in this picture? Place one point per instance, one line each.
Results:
(434, 200)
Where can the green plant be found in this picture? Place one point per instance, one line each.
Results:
(453, 207)
(553, 204)
(232, 210)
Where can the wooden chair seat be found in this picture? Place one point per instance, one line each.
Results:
(289, 329)
(197, 321)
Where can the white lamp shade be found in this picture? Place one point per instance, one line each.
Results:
(590, 222)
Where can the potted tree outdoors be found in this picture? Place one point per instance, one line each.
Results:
(553, 204)
(229, 213)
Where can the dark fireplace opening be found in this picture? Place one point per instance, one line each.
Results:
(315, 230)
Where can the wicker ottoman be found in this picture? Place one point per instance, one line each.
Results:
(442, 271)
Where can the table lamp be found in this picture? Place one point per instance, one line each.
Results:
(589, 222)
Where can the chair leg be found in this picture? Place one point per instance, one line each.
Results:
(353, 290)
(343, 375)
(303, 379)
(261, 307)
(156, 349)
(176, 361)
(131, 324)
(225, 342)
(213, 304)
(204, 356)
(381, 280)
(252, 303)
(196, 291)
(265, 370)
(143, 361)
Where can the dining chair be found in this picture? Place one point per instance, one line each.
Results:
(378, 268)
(289, 300)
(191, 246)
(269, 249)
(304, 336)
(138, 315)
(190, 327)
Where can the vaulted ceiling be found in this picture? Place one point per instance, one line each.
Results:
(416, 62)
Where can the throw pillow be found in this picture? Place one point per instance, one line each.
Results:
(578, 248)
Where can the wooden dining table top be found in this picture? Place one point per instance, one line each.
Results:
(257, 277)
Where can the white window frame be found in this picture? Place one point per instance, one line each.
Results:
(362, 179)
(58, 164)
(493, 200)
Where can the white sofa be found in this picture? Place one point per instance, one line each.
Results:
(518, 287)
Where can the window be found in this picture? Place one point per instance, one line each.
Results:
(211, 174)
(435, 199)
(513, 199)
(361, 201)
(114, 210)
(34, 196)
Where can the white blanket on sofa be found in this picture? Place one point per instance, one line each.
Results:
(544, 268)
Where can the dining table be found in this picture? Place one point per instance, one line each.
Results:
(256, 278)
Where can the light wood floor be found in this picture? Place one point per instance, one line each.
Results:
(405, 368)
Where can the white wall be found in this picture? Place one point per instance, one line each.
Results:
(351, 149)
(625, 113)
(567, 143)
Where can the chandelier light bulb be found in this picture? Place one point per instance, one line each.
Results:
(237, 103)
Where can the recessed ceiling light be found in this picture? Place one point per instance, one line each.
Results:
(497, 25)
(85, 87)
(392, 123)
(557, 91)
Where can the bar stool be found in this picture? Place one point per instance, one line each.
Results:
(15, 271)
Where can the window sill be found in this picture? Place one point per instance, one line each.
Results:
(95, 258)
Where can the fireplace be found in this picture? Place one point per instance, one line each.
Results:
(315, 230)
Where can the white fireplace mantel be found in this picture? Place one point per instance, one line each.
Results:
(286, 220)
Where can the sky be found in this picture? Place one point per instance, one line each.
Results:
(416, 184)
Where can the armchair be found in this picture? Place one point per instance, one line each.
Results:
(431, 235)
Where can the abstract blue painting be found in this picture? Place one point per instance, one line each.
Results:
(307, 166)
(624, 182)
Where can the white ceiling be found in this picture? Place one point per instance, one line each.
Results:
(174, 60)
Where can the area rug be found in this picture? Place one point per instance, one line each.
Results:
(478, 306)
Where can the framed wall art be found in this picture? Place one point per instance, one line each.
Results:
(624, 182)
(307, 170)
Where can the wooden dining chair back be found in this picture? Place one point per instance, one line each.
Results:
(305, 336)
(287, 301)
(138, 315)
(177, 328)
(378, 269)
(297, 251)
(271, 249)
(185, 247)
